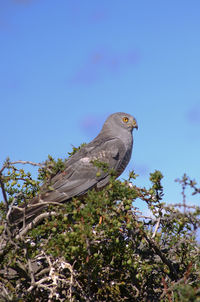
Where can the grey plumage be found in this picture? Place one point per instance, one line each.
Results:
(113, 146)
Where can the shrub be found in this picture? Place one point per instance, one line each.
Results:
(98, 247)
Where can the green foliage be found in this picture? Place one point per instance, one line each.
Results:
(99, 247)
(50, 168)
(75, 149)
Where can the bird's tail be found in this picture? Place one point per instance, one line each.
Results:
(26, 212)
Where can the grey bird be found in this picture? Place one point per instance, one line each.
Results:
(113, 146)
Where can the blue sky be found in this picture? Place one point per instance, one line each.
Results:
(66, 65)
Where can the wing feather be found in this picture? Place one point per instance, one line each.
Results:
(81, 174)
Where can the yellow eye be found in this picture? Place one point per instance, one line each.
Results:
(125, 119)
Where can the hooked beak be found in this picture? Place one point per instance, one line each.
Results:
(134, 124)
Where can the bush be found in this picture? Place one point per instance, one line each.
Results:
(98, 247)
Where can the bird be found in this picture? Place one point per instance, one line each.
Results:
(112, 146)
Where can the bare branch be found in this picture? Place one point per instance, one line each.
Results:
(35, 222)
(23, 162)
(35, 205)
(183, 205)
(31, 272)
(156, 228)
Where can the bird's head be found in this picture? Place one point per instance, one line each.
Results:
(121, 120)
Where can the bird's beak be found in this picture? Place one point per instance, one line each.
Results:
(134, 124)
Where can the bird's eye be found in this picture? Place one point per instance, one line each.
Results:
(125, 119)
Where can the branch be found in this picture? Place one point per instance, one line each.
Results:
(23, 162)
(31, 272)
(10, 208)
(35, 222)
(4, 193)
(156, 228)
(162, 256)
(182, 205)
(39, 284)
